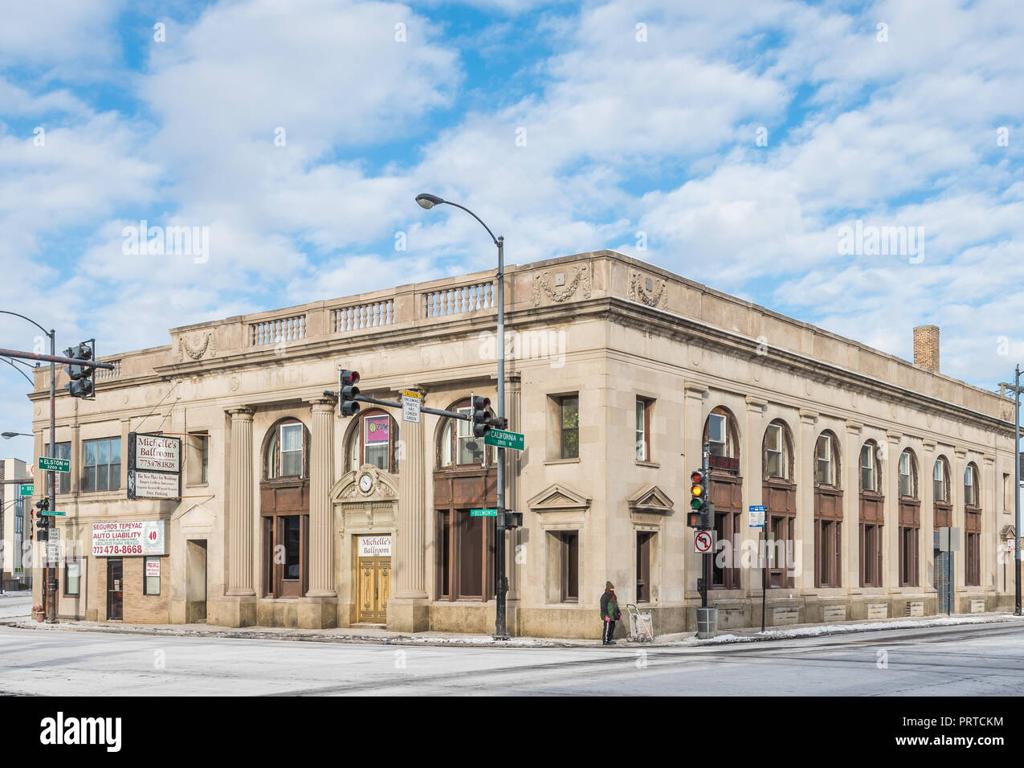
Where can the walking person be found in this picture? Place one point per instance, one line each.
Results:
(610, 613)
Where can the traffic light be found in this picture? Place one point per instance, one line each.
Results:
(695, 517)
(81, 384)
(347, 391)
(42, 523)
(481, 415)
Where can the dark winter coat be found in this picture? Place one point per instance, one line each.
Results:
(610, 606)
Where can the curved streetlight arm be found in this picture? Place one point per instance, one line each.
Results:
(493, 238)
(29, 319)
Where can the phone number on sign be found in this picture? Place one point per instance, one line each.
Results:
(117, 549)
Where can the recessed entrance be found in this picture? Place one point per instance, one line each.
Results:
(373, 579)
(195, 585)
(115, 588)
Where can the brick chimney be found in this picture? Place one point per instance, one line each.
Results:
(926, 347)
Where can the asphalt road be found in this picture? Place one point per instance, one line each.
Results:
(956, 661)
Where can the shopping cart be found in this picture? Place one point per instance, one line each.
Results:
(641, 625)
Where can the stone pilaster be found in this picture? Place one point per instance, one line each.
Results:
(803, 474)
(240, 609)
(319, 609)
(755, 423)
(513, 494)
(891, 529)
(408, 609)
(849, 465)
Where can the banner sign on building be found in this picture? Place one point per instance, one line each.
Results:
(375, 546)
(125, 538)
(377, 429)
(154, 466)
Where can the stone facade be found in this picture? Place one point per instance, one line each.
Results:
(346, 539)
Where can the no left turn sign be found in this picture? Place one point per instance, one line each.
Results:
(702, 542)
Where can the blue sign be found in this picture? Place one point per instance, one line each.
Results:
(757, 516)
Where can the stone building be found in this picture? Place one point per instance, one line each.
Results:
(619, 372)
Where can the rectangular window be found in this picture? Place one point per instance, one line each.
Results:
(727, 528)
(643, 424)
(377, 440)
(828, 533)
(291, 450)
(465, 555)
(72, 577)
(972, 561)
(970, 492)
(823, 461)
(569, 423)
(870, 555)
(867, 468)
(291, 535)
(717, 434)
(643, 566)
(198, 458)
(773, 451)
(63, 478)
(908, 557)
(570, 566)
(151, 576)
(101, 465)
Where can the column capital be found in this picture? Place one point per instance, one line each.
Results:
(241, 413)
(854, 427)
(322, 404)
(929, 445)
(808, 417)
(695, 391)
(756, 404)
(893, 437)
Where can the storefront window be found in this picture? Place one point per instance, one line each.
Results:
(151, 576)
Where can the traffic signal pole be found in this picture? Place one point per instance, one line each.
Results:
(501, 591)
(707, 561)
(49, 587)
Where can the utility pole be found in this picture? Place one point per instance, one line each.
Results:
(1016, 389)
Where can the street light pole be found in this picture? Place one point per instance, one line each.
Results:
(428, 201)
(49, 592)
(1016, 493)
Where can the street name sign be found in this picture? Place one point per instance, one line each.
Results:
(503, 438)
(54, 465)
(26, 490)
(52, 513)
(483, 513)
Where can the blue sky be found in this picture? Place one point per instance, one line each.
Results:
(728, 141)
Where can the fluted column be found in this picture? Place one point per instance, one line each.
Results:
(321, 528)
(410, 544)
(240, 505)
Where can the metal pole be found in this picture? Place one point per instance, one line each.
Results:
(48, 586)
(764, 571)
(705, 468)
(500, 628)
(1016, 493)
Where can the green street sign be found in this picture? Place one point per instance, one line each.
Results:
(54, 465)
(502, 438)
(26, 490)
(52, 513)
(483, 513)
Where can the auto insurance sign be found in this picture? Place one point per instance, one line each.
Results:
(127, 538)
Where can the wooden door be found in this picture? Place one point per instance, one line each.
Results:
(374, 574)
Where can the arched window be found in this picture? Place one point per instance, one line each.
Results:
(908, 474)
(777, 452)
(826, 460)
(828, 512)
(459, 446)
(870, 468)
(373, 439)
(971, 491)
(285, 455)
(940, 480)
(721, 436)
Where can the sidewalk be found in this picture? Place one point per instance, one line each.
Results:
(440, 639)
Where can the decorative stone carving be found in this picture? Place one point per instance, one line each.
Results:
(651, 498)
(647, 290)
(560, 290)
(380, 487)
(558, 497)
(197, 346)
